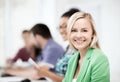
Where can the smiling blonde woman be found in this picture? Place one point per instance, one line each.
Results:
(89, 64)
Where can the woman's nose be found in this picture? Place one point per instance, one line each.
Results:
(79, 34)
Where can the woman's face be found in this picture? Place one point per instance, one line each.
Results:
(63, 27)
(26, 37)
(81, 34)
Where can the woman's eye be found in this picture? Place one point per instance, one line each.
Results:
(85, 30)
(73, 30)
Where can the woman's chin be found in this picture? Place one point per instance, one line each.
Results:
(79, 47)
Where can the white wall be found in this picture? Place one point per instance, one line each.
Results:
(1, 32)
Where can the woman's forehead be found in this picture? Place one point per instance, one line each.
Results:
(83, 22)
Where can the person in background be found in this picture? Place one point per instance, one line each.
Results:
(50, 52)
(58, 73)
(89, 64)
(28, 51)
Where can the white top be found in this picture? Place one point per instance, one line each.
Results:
(74, 80)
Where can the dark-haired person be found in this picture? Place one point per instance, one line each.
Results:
(28, 51)
(50, 52)
(61, 66)
(64, 20)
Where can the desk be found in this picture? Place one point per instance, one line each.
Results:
(17, 79)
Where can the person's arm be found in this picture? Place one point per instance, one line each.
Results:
(51, 56)
(10, 61)
(44, 72)
(28, 72)
(100, 70)
(17, 56)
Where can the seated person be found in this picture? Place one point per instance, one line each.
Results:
(28, 51)
(89, 64)
(58, 73)
(50, 51)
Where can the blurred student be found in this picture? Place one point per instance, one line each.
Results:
(28, 51)
(50, 52)
(89, 64)
(58, 73)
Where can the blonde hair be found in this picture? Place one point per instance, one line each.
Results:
(80, 15)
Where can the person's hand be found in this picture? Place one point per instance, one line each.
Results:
(9, 62)
(41, 70)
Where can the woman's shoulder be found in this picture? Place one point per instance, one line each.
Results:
(98, 55)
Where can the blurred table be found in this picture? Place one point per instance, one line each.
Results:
(17, 79)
